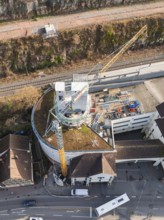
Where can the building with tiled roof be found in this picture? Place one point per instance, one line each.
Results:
(16, 167)
(91, 168)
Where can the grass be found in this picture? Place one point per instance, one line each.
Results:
(84, 129)
(74, 139)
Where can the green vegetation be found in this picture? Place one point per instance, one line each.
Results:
(15, 110)
(84, 129)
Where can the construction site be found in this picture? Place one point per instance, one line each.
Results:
(77, 129)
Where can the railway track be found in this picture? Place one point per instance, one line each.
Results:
(67, 77)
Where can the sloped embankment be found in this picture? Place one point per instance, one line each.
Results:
(32, 53)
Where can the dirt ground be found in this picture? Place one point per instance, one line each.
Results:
(19, 29)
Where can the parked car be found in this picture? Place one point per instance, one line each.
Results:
(79, 192)
(29, 203)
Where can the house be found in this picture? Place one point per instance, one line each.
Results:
(155, 128)
(93, 168)
(16, 167)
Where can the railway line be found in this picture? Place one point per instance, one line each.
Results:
(67, 77)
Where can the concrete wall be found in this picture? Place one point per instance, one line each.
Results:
(152, 131)
(131, 123)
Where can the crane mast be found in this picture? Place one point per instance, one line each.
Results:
(126, 46)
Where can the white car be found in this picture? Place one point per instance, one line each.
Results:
(36, 218)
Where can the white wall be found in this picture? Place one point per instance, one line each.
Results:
(131, 123)
(152, 131)
(99, 178)
(96, 178)
(52, 153)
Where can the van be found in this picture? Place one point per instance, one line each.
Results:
(79, 192)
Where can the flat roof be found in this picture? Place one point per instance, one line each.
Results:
(156, 88)
(141, 93)
(78, 86)
(138, 92)
(60, 86)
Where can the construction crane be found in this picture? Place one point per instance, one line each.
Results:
(61, 152)
(75, 97)
(55, 126)
(143, 30)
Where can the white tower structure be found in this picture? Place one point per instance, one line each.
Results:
(72, 107)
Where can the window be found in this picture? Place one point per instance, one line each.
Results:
(120, 200)
(121, 126)
(141, 118)
(60, 97)
(122, 122)
(139, 122)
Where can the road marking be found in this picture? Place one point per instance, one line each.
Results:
(108, 196)
(159, 197)
(69, 211)
(4, 211)
(40, 214)
(79, 216)
(39, 207)
(121, 207)
(4, 214)
(90, 212)
(17, 209)
(57, 215)
(133, 196)
(120, 181)
(22, 214)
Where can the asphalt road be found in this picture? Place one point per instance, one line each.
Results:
(52, 208)
(139, 181)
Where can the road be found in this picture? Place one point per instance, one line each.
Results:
(79, 208)
(19, 29)
(139, 181)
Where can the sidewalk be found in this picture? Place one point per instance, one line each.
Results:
(22, 191)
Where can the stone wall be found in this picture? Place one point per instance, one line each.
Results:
(18, 9)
